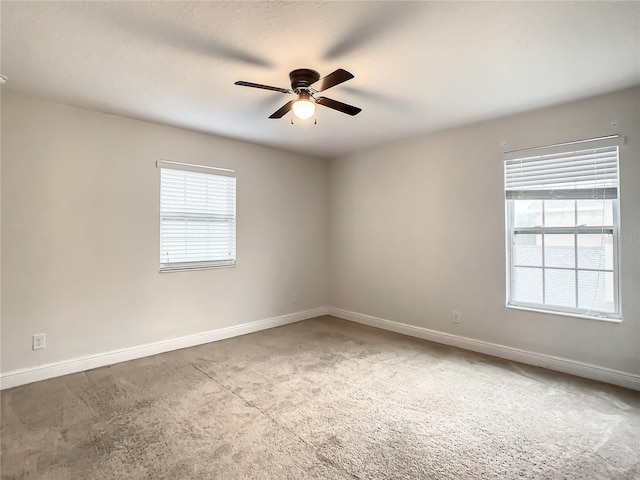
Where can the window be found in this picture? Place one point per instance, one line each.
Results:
(562, 228)
(197, 217)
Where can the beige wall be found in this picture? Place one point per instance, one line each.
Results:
(80, 248)
(416, 231)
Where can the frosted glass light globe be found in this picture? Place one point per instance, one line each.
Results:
(304, 108)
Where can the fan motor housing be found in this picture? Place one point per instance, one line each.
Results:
(302, 78)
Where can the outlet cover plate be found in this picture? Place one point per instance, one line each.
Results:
(39, 341)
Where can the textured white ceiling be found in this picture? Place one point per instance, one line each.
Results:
(418, 66)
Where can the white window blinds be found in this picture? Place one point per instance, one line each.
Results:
(585, 173)
(562, 228)
(197, 218)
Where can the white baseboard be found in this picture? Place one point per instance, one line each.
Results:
(43, 372)
(549, 362)
(35, 374)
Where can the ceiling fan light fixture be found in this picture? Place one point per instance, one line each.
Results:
(305, 83)
(304, 107)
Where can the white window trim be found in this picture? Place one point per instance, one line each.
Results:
(194, 265)
(616, 317)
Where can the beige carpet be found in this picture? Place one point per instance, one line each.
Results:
(321, 399)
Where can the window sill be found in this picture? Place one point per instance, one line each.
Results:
(198, 267)
(566, 314)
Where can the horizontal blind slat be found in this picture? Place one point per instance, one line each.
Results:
(566, 157)
(567, 173)
(517, 170)
(574, 194)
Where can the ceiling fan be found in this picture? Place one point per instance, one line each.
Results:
(306, 83)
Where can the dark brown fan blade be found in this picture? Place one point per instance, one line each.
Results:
(332, 80)
(282, 111)
(264, 87)
(341, 107)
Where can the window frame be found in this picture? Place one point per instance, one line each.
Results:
(178, 266)
(511, 232)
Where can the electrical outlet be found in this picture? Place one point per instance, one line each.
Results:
(39, 341)
(294, 298)
(456, 317)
